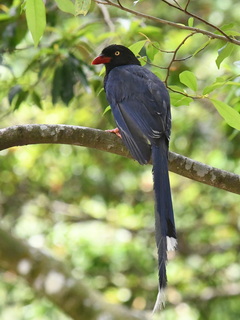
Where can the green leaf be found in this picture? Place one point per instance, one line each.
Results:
(216, 85)
(137, 46)
(152, 49)
(36, 99)
(100, 91)
(230, 115)
(108, 108)
(36, 18)
(143, 60)
(177, 99)
(67, 81)
(224, 52)
(66, 6)
(22, 96)
(4, 16)
(204, 45)
(102, 71)
(212, 87)
(82, 6)
(13, 92)
(176, 88)
(158, 58)
(190, 22)
(56, 84)
(228, 29)
(188, 79)
(227, 26)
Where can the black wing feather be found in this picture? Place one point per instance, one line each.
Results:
(139, 102)
(134, 139)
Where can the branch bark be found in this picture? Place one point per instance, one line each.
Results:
(101, 140)
(49, 277)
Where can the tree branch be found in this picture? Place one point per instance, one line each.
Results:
(170, 23)
(185, 10)
(101, 140)
(49, 277)
(107, 17)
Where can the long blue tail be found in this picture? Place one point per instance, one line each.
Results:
(164, 219)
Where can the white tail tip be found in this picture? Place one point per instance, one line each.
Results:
(160, 302)
(171, 244)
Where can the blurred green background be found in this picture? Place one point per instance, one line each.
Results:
(94, 210)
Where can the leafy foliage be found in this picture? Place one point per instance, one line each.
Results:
(94, 210)
(189, 79)
(36, 18)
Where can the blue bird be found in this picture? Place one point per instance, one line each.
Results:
(140, 104)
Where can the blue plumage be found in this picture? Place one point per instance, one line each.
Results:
(141, 107)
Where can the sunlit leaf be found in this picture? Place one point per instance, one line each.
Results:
(158, 58)
(177, 99)
(190, 22)
(152, 49)
(100, 91)
(36, 19)
(224, 52)
(143, 60)
(227, 26)
(204, 45)
(82, 6)
(228, 29)
(66, 6)
(177, 88)
(230, 115)
(102, 71)
(108, 108)
(189, 79)
(216, 85)
(4, 17)
(137, 46)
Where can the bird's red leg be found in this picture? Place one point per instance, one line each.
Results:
(116, 131)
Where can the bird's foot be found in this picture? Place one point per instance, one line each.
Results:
(116, 131)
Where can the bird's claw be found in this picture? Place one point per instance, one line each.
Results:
(115, 131)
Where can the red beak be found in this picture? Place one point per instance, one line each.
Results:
(101, 59)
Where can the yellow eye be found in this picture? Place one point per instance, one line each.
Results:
(117, 53)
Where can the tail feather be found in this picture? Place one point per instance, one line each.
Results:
(165, 232)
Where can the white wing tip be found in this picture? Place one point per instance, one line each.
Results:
(160, 302)
(171, 244)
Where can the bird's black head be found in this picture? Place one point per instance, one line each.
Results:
(114, 56)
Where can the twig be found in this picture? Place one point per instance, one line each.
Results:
(176, 3)
(170, 23)
(155, 65)
(98, 139)
(175, 54)
(198, 18)
(184, 93)
(187, 4)
(107, 17)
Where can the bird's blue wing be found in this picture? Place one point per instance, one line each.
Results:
(134, 140)
(140, 105)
